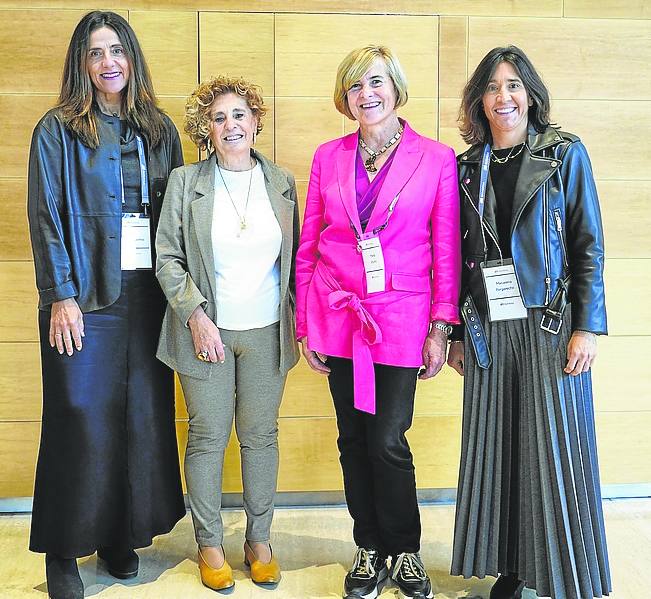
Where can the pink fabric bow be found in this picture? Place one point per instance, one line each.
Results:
(368, 334)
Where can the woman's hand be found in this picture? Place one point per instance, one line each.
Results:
(205, 336)
(434, 350)
(581, 352)
(456, 356)
(66, 326)
(315, 360)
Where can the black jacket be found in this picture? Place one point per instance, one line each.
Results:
(74, 208)
(555, 228)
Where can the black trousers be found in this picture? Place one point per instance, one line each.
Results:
(377, 464)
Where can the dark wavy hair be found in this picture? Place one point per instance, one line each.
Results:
(474, 124)
(77, 92)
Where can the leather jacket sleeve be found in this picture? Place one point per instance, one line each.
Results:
(44, 207)
(585, 242)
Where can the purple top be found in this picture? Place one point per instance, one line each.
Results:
(368, 191)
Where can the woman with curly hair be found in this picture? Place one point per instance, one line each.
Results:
(226, 243)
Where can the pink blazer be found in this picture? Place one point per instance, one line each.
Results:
(422, 257)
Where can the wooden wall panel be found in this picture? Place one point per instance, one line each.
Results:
(15, 239)
(294, 56)
(169, 41)
(607, 9)
(620, 385)
(539, 8)
(20, 381)
(627, 154)
(18, 448)
(558, 48)
(453, 56)
(175, 108)
(309, 48)
(301, 125)
(626, 217)
(18, 302)
(628, 296)
(37, 43)
(238, 44)
(18, 117)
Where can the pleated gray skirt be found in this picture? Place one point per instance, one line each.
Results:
(529, 499)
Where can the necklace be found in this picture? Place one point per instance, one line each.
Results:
(508, 157)
(369, 163)
(241, 217)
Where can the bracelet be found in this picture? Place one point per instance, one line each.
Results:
(442, 326)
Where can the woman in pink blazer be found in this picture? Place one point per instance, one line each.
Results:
(377, 288)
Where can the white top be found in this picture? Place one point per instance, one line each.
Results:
(247, 261)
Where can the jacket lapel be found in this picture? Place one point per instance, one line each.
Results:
(535, 170)
(346, 177)
(407, 158)
(202, 213)
(277, 185)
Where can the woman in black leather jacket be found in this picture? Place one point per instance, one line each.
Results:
(528, 503)
(107, 478)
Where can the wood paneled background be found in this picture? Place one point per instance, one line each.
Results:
(594, 56)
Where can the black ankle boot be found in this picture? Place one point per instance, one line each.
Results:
(507, 586)
(63, 580)
(120, 562)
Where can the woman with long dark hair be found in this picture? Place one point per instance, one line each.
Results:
(107, 478)
(529, 502)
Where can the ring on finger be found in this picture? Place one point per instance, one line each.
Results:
(202, 355)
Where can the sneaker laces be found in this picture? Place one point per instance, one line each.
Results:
(410, 567)
(363, 566)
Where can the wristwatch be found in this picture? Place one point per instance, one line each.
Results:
(443, 326)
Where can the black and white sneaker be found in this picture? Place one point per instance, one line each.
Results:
(409, 575)
(366, 575)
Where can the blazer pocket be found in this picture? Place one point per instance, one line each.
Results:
(409, 282)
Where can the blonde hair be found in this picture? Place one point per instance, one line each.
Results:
(197, 108)
(353, 67)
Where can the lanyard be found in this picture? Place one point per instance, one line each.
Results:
(144, 181)
(483, 181)
(376, 230)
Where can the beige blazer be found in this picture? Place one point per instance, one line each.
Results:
(185, 266)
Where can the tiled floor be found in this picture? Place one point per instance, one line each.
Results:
(314, 548)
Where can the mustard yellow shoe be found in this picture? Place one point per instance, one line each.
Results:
(217, 579)
(263, 574)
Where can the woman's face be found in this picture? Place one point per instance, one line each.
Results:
(372, 99)
(107, 64)
(506, 102)
(232, 125)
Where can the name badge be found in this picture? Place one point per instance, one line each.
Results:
(136, 241)
(373, 263)
(502, 291)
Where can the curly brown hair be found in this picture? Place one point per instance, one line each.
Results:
(197, 107)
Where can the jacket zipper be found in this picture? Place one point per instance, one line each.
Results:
(548, 281)
(483, 226)
(559, 228)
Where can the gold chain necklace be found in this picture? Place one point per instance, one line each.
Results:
(369, 163)
(508, 157)
(241, 217)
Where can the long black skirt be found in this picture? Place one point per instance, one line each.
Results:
(529, 497)
(108, 471)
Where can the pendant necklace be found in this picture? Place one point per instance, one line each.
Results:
(508, 157)
(369, 163)
(241, 217)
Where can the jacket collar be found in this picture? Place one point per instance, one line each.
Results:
(408, 155)
(536, 142)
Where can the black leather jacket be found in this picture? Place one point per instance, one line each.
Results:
(74, 208)
(555, 229)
